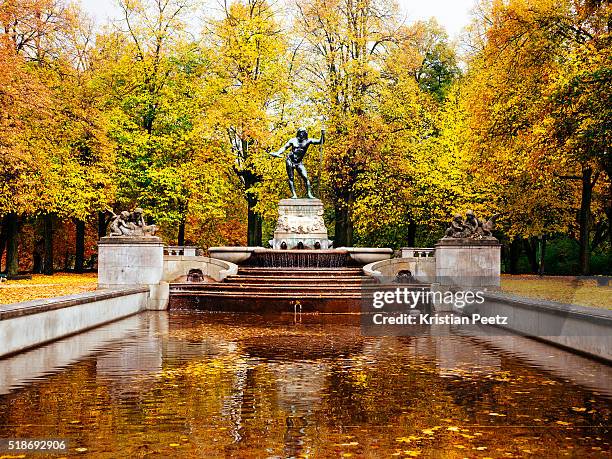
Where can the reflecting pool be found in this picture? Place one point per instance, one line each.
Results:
(188, 384)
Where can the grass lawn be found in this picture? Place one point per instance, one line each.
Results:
(566, 289)
(41, 286)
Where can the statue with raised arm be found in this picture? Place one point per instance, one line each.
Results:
(299, 146)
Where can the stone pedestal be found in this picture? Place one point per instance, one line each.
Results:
(468, 263)
(130, 261)
(300, 220)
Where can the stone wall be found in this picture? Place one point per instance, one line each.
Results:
(32, 323)
(579, 328)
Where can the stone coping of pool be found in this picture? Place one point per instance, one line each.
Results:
(26, 308)
(593, 314)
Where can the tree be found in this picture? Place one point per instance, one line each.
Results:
(252, 68)
(60, 145)
(156, 80)
(23, 102)
(432, 60)
(347, 42)
(577, 120)
(522, 136)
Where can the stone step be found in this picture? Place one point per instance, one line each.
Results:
(283, 286)
(261, 289)
(300, 280)
(271, 291)
(264, 295)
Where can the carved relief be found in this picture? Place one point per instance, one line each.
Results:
(300, 225)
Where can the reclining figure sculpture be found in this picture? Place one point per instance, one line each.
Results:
(131, 224)
(471, 227)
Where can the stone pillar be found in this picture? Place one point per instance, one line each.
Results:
(468, 263)
(130, 261)
(300, 220)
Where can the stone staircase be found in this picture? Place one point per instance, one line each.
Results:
(261, 290)
(256, 289)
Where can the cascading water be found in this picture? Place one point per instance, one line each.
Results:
(300, 259)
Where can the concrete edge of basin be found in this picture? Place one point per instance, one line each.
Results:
(26, 308)
(554, 307)
(580, 329)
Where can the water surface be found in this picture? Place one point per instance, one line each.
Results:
(186, 384)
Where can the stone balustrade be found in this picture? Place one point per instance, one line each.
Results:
(417, 252)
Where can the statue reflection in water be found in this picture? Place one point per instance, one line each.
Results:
(299, 146)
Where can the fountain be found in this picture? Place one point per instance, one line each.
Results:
(300, 271)
(270, 258)
(300, 241)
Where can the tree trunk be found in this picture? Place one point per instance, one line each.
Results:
(343, 227)
(48, 235)
(584, 221)
(2, 241)
(412, 228)
(340, 218)
(102, 224)
(79, 257)
(515, 253)
(531, 252)
(12, 245)
(254, 233)
(542, 255)
(181, 234)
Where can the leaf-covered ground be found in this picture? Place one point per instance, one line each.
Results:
(41, 286)
(566, 289)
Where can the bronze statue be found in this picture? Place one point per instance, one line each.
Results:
(456, 227)
(471, 227)
(471, 223)
(299, 146)
(486, 228)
